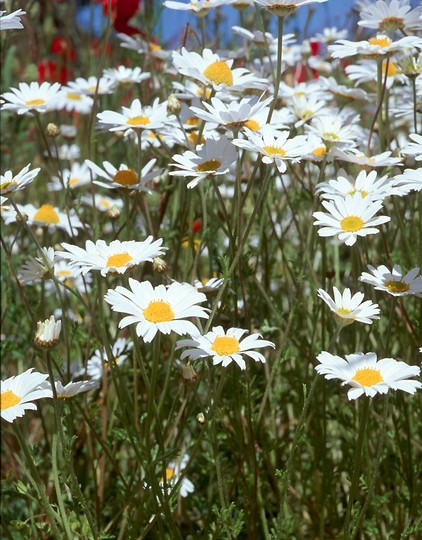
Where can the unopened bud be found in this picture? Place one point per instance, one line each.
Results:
(173, 105)
(47, 334)
(159, 265)
(52, 130)
(201, 418)
(113, 213)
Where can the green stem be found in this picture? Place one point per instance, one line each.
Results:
(279, 67)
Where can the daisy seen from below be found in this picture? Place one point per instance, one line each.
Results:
(136, 116)
(414, 148)
(225, 346)
(390, 16)
(199, 7)
(32, 97)
(349, 218)
(46, 216)
(157, 309)
(18, 393)
(367, 375)
(212, 158)
(11, 21)
(124, 177)
(281, 8)
(275, 146)
(367, 184)
(348, 309)
(116, 257)
(394, 281)
(10, 182)
(210, 69)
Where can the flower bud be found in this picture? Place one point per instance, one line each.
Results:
(159, 265)
(173, 105)
(47, 334)
(52, 130)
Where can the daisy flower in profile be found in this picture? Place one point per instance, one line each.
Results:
(70, 100)
(136, 116)
(123, 75)
(99, 362)
(281, 8)
(157, 309)
(414, 148)
(114, 257)
(46, 216)
(275, 146)
(367, 375)
(348, 309)
(349, 218)
(393, 281)
(375, 47)
(353, 155)
(212, 158)
(210, 69)
(73, 388)
(38, 268)
(88, 87)
(391, 15)
(10, 182)
(368, 185)
(11, 21)
(225, 346)
(124, 177)
(174, 472)
(78, 175)
(200, 8)
(31, 97)
(410, 180)
(18, 393)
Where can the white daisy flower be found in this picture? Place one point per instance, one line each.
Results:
(414, 148)
(31, 97)
(78, 175)
(73, 388)
(208, 285)
(114, 257)
(410, 180)
(380, 45)
(333, 130)
(353, 155)
(46, 216)
(364, 72)
(10, 183)
(18, 393)
(225, 346)
(98, 361)
(393, 281)
(70, 100)
(124, 177)
(256, 36)
(235, 114)
(275, 146)
(367, 375)
(390, 16)
(65, 151)
(212, 158)
(199, 7)
(69, 277)
(329, 35)
(173, 472)
(281, 8)
(123, 75)
(305, 108)
(102, 203)
(348, 309)
(342, 92)
(136, 116)
(159, 308)
(368, 185)
(48, 332)
(11, 21)
(210, 69)
(88, 87)
(349, 218)
(37, 268)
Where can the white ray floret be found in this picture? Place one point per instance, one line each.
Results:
(11, 21)
(394, 281)
(135, 117)
(10, 183)
(390, 16)
(414, 148)
(369, 185)
(30, 98)
(124, 177)
(348, 309)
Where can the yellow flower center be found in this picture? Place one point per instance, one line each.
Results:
(367, 377)
(196, 243)
(361, 191)
(352, 223)
(219, 73)
(8, 399)
(253, 125)
(158, 311)
(397, 286)
(6, 185)
(119, 259)
(192, 121)
(391, 24)
(204, 93)
(320, 151)
(211, 165)
(225, 345)
(105, 203)
(74, 96)
(34, 102)
(138, 121)
(47, 214)
(274, 151)
(154, 47)
(169, 473)
(73, 181)
(126, 177)
(344, 311)
(63, 273)
(392, 69)
(381, 41)
(330, 136)
(193, 138)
